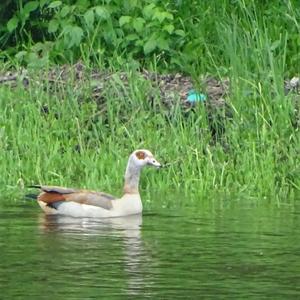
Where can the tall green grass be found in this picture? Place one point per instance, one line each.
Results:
(76, 143)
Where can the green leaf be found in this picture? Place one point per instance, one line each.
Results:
(169, 28)
(139, 43)
(77, 34)
(32, 58)
(158, 16)
(36, 61)
(124, 20)
(131, 37)
(102, 12)
(168, 16)
(54, 4)
(65, 10)
(73, 36)
(89, 18)
(149, 46)
(12, 24)
(131, 3)
(43, 3)
(179, 32)
(83, 5)
(163, 44)
(53, 26)
(39, 47)
(161, 16)
(148, 10)
(20, 55)
(30, 6)
(138, 24)
(275, 45)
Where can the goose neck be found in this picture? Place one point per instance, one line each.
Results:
(132, 178)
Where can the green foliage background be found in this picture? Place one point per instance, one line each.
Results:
(256, 44)
(182, 35)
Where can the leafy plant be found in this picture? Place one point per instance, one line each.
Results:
(138, 29)
(179, 35)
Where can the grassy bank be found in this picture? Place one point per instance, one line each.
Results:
(62, 137)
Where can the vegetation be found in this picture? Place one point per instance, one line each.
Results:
(181, 35)
(59, 136)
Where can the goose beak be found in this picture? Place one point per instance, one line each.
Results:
(153, 162)
(158, 165)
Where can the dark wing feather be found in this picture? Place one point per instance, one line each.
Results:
(54, 189)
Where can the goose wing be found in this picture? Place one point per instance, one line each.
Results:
(52, 194)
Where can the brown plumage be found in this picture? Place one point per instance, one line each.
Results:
(50, 197)
(52, 194)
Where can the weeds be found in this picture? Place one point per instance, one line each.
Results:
(61, 137)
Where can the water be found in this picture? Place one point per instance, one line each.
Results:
(232, 251)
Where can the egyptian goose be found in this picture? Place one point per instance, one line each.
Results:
(84, 203)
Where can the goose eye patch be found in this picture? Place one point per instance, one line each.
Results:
(140, 155)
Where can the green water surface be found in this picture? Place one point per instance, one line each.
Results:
(238, 250)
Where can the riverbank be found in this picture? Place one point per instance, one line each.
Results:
(64, 128)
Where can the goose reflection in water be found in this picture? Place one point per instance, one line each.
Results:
(103, 240)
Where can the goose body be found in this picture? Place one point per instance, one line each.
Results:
(85, 203)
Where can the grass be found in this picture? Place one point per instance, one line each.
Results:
(74, 145)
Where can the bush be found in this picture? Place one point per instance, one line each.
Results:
(179, 34)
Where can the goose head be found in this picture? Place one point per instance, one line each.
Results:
(137, 160)
(143, 157)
